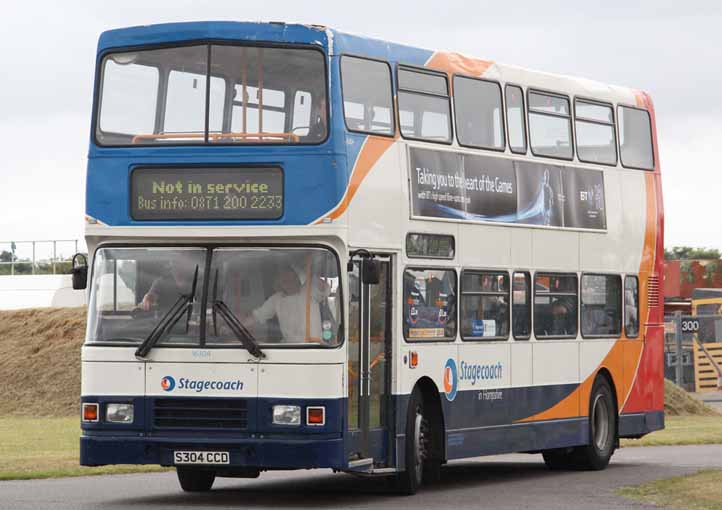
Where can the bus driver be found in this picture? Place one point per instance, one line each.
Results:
(175, 279)
(296, 306)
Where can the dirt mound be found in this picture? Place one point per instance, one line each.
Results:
(40, 361)
(678, 402)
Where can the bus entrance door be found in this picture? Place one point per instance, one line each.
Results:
(369, 369)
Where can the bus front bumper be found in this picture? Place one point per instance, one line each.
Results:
(247, 452)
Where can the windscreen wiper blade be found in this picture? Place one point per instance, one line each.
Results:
(173, 315)
(243, 335)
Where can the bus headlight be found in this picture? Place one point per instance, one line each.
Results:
(286, 415)
(119, 413)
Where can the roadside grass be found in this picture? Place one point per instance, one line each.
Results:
(47, 448)
(682, 430)
(700, 491)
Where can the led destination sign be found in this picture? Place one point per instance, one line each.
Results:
(207, 193)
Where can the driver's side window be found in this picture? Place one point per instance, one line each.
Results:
(116, 285)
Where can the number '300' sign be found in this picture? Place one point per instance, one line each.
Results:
(690, 325)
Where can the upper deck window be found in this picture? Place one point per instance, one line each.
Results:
(515, 119)
(550, 125)
(424, 112)
(367, 103)
(596, 139)
(635, 138)
(255, 95)
(479, 119)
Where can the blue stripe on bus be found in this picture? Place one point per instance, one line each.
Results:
(383, 50)
(482, 408)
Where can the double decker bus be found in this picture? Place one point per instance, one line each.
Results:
(311, 249)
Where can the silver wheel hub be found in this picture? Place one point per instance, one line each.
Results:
(421, 438)
(600, 422)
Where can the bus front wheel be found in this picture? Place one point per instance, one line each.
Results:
(194, 479)
(419, 464)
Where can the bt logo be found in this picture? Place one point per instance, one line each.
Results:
(451, 379)
(167, 383)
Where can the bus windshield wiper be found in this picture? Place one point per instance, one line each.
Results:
(239, 330)
(237, 327)
(171, 317)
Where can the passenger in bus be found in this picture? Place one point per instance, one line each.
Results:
(563, 317)
(296, 306)
(317, 123)
(596, 321)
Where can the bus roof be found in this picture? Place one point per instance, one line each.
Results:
(337, 43)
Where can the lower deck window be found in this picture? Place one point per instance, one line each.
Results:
(631, 306)
(601, 305)
(555, 305)
(521, 306)
(429, 304)
(484, 305)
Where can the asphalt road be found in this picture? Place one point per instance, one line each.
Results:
(502, 482)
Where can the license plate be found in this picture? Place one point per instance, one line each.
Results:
(185, 457)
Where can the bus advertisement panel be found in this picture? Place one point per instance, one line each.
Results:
(484, 188)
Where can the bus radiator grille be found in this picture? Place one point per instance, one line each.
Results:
(200, 413)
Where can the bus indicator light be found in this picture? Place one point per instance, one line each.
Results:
(413, 359)
(316, 416)
(90, 412)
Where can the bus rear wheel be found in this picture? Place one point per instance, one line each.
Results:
(195, 479)
(602, 433)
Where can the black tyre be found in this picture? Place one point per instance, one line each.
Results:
(195, 480)
(418, 442)
(602, 432)
(558, 459)
(603, 429)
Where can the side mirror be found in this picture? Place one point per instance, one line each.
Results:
(370, 273)
(80, 271)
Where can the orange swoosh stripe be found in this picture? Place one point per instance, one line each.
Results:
(374, 147)
(456, 63)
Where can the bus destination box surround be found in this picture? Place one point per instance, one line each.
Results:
(215, 193)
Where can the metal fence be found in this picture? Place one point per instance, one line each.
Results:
(38, 257)
(681, 333)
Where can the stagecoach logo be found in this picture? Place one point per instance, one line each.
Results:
(451, 379)
(167, 383)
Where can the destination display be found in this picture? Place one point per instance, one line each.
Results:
(485, 188)
(207, 193)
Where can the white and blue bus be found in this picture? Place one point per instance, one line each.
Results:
(310, 249)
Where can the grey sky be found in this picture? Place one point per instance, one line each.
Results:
(670, 49)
